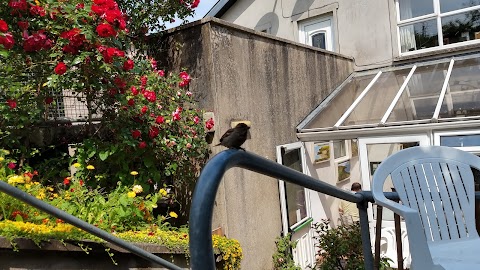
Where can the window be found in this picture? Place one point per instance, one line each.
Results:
(424, 24)
(317, 32)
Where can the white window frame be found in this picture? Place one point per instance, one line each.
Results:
(305, 35)
(471, 149)
(435, 15)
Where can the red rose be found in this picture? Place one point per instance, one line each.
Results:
(105, 30)
(48, 100)
(159, 120)
(153, 132)
(161, 73)
(128, 65)
(80, 6)
(119, 82)
(144, 109)
(66, 181)
(23, 25)
(12, 103)
(3, 26)
(12, 165)
(37, 10)
(131, 102)
(142, 145)
(7, 41)
(150, 96)
(136, 134)
(134, 90)
(36, 42)
(18, 4)
(196, 119)
(195, 3)
(176, 115)
(61, 68)
(143, 80)
(209, 124)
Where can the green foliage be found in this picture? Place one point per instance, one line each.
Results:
(283, 257)
(341, 247)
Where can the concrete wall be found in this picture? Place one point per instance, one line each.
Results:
(243, 75)
(364, 30)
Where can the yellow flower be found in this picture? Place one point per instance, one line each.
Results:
(163, 192)
(27, 179)
(28, 186)
(6, 152)
(134, 173)
(2, 159)
(131, 194)
(76, 165)
(90, 167)
(37, 2)
(16, 179)
(173, 214)
(137, 189)
(49, 188)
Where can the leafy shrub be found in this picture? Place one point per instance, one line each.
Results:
(283, 257)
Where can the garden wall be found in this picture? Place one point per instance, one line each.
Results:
(240, 74)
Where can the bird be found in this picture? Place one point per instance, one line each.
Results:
(235, 137)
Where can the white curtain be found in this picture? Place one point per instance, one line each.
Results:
(407, 33)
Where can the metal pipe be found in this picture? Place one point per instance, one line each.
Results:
(29, 199)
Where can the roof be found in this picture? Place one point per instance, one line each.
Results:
(431, 95)
(220, 8)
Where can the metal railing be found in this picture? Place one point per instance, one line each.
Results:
(201, 211)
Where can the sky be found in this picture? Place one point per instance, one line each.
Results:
(202, 9)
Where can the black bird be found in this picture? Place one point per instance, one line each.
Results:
(235, 137)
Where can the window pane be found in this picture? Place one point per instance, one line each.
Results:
(341, 102)
(461, 27)
(369, 110)
(296, 206)
(420, 98)
(449, 5)
(339, 149)
(463, 94)
(318, 40)
(460, 140)
(414, 8)
(418, 36)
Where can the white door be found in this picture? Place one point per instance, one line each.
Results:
(372, 151)
(317, 33)
(295, 204)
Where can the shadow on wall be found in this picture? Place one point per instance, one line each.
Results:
(269, 22)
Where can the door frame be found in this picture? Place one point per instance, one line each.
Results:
(281, 187)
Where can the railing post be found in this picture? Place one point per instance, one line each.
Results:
(365, 232)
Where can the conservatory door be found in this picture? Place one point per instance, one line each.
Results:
(295, 206)
(372, 151)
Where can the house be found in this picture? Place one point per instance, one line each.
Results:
(415, 81)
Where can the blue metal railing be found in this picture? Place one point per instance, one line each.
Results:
(201, 250)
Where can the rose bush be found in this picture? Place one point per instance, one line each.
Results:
(139, 117)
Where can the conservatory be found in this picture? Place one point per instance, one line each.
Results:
(376, 113)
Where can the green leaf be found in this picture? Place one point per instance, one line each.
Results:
(103, 155)
(148, 161)
(4, 54)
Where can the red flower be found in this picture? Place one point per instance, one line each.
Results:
(119, 82)
(7, 41)
(18, 4)
(153, 63)
(105, 30)
(36, 42)
(144, 109)
(131, 102)
(23, 25)
(161, 73)
(134, 90)
(3, 26)
(196, 119)
(48, 100)
(37, 10)
(61, 68)
(66, 181)
(109, 52)
(136, 134)
(176, 115)
(143, 80)
(11, 165)
(80, 182)
(185, 79)
(159, 120)
(150, 96)
(153, 132)
(128, 65)
(12, 103)
(80, 6)
(195, 3)
(209, 124)
(142, 145)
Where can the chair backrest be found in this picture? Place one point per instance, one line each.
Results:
(438, 182)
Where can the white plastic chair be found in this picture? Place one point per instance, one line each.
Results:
(436, 188)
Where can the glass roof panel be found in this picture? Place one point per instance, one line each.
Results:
(340, 103)
(374, 105)
(420, 98)
(463, 93)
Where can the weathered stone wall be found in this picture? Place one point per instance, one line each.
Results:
(244, 75)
